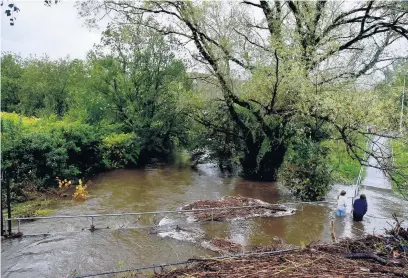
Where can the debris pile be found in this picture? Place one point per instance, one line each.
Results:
(223, 246)
(304, 263)
(370, 256)
(259, 209)
(228, 247)
(398, 233)
(281, 245)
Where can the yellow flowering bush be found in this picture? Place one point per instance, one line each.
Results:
(80, 193)
(63, 184)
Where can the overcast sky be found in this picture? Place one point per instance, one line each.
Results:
(55, 30)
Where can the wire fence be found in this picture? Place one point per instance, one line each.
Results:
(89, 222)
(187, 262)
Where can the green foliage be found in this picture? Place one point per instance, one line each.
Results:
(38, 150)
(33, 208)
(306, 171)
(118, 150)
(143, 84)
(131, 100)
(35, 151)
(400, 162)
(37, 86)
(345, 168)
(10, 85)
(109, 111)
(181, 158)
(390, 91)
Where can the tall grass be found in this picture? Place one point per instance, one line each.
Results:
(400, 151)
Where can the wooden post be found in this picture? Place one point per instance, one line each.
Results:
(333, 234)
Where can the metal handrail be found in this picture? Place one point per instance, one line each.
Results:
(356, 188)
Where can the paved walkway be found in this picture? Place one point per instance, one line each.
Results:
(374, 178)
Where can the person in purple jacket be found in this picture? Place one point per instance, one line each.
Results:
(359, 208)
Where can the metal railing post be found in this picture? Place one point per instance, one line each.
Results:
(92, 224)
(9, 207)
(19, 224)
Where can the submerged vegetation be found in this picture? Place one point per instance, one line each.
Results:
(202, 80)
(41, 206)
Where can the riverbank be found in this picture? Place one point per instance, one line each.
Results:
(370, 256)
(42, 205)
(69, 247)
(400, 160)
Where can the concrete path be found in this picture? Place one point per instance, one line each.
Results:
(374, 178)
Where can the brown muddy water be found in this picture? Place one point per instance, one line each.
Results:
(77, 249)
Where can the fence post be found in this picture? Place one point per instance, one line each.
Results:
(8, 207)
(332, 231)
(2, 227)
(92, 224)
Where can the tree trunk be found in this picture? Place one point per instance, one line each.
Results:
(267, 168)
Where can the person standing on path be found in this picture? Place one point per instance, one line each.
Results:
(359, 208)
(341, 203)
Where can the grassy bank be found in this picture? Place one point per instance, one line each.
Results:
(345, 169)
(400, 150)
(42, 206)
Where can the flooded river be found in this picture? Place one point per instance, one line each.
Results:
(118, 247)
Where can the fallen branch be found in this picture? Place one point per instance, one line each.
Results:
(371, 256)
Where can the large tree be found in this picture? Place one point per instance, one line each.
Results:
(294, 61)
(143, 85)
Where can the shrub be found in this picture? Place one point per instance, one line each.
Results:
(119, 150)
(306, 172)
(35, 151)
(80, 193)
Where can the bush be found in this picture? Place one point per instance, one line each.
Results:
(35, 151)
(119, 150)
(306, 171)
